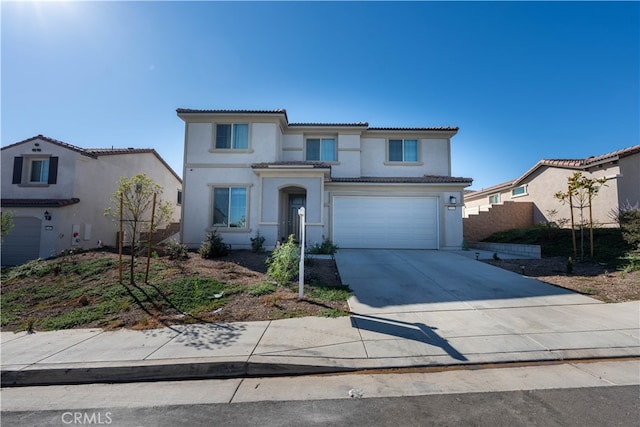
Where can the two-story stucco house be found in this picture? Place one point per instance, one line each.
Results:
(362, 187)
(58, 193)
(502, 206)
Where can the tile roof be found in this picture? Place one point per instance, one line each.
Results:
(291, 164)
(443, 128)
(195, 111)
(114, 151)
(354, 124)
(38, 203)
(583, 163)
(580, 163)
(311, 124)
(426, 179)
(53, 141)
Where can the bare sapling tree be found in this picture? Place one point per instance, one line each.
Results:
(580, 193)
(135, 197)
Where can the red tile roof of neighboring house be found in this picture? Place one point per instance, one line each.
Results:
(38, 203)
(314, 165)
(55, 142)
(578, 164)
(427, 179)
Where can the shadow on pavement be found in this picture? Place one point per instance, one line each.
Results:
(406, 330)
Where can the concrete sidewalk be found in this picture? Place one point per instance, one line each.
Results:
(547, 325)
(315, 345)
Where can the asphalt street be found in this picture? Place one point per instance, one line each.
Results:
(603, 406)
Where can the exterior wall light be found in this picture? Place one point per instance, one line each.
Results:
(47, 216)
(453, 200)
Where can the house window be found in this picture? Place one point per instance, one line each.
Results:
(403, 150)
(39, 171)
(179, 198)
(230, 207)
(494, 199)
(232, 136)
(35, 170)
(519, 191)
(323, 149)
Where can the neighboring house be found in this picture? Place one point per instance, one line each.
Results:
(539, 184)
(362, 187)
(59, 192)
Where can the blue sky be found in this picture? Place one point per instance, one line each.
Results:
(522, 80)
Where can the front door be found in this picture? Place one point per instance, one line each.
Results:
(296, 201)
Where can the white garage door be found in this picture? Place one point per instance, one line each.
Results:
(385, 222)
(22, 244)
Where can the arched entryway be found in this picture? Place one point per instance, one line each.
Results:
(292, 198)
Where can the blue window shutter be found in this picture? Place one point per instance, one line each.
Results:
(17, 170)
(53, 170)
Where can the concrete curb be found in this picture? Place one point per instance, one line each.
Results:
(167, 370)
(201, 368)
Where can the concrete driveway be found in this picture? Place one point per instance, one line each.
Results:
(404, 281)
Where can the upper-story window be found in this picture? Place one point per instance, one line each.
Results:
(403, 150)
(323, 149)
(519, 191)
(494, 198)
(232, 136)
(37, 171)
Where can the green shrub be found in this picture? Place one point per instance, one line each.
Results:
(327, 247)
(261, 289)
(257, 243)
(214, 246)
(176, 251)
(283, 262)
(629, 219)
(330, 293)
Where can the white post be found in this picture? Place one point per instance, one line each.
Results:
(301, 265)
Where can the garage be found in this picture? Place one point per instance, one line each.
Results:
(385, 222)
(23, 241)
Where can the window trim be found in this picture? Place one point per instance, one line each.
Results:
(416, 162)
(214, 138)
(228, 228)
(321, 138)
(524, 191)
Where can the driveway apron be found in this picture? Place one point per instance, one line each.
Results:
(405, 281)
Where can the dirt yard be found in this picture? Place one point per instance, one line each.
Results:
(589, 279)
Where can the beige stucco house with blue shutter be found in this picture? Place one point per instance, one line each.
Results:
(58, 193)
(362, 187)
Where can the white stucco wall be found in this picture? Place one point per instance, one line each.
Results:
(63, 189)
(272, 141)
(93, 181)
